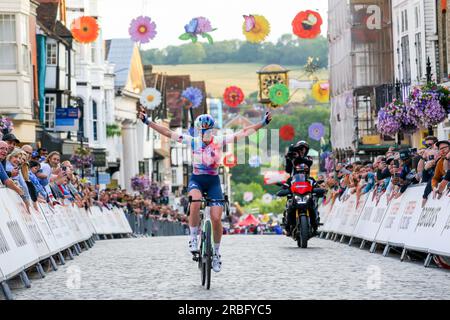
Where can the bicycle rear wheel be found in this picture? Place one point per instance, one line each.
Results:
(208, 253)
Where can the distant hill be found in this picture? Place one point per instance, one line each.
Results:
(289, 50)
(220, 76)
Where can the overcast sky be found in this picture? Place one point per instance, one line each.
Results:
(226, 15)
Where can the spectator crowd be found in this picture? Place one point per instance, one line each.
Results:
(393, 173)
(41, 177)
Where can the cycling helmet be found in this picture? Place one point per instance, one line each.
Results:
(299, 145)
(204, 122)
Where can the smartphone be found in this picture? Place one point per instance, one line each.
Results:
(431, 157)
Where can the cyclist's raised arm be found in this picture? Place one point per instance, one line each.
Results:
(248, 131)
(159, 128)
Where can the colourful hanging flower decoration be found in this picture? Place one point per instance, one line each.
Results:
(426, 103)
(316, 131)
(287, 132)
(306, 24)
(6, 126)
(321, 91)
(194, 96)
(279, 94)
(142, 29)
(198, 26)
(140, 183)
(150, 98)
(230, 161)
(85, 29)
(256, 28)
(233, 96)
(390, 118)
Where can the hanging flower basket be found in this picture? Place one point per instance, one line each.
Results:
(82, 159)
(430, 104)
(390, 118)
(140, 183)
(6, 126)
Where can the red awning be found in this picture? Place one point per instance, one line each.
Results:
(249, 220)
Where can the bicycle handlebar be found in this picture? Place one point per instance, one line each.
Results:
(206, 200)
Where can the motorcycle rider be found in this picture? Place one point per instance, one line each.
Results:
(297, 157)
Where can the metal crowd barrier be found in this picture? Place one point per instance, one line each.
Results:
(142, 225)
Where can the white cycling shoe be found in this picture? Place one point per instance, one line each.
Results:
(216, 263)
(193, 245)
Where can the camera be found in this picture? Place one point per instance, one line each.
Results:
(406, 154)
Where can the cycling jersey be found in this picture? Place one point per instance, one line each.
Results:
(206, 158)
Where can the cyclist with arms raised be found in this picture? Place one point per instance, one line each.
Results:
(207, 155)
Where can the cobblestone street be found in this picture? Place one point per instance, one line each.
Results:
(254, 267)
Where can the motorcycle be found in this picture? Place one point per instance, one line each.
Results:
(301, 196)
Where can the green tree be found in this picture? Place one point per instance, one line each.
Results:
(192, 54)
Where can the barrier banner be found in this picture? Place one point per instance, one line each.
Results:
(17, 251)
(87, 216)
(351, 211)
(82, 229)
(123, 222)
(440, 243)
(112, 224)
(97, 220)
(69, 218)
(429, 229)
(335, 219)
(94, 221)
(45, 230)
(371, 217)
(390, 221)
(36, 237)
(104, 220)
(324, 211)
(410, 212)
(67, 238)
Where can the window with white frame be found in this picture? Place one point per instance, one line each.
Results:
(49, 110)
(406, 66)
(94, 120)
(26, 54)
(8, 44)
(94, 52)
(52, 54)
(417, 16)
(419, 61)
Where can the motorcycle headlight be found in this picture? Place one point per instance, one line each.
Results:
(302, 198)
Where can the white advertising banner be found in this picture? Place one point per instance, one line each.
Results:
(440, 243)
(16, 246)
(390, 221)
(429, 230)
(27, 218)
(46, 232)
(350, 214)
(371, 217)
(409, 214)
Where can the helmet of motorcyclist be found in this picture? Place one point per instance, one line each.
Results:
(299, 146)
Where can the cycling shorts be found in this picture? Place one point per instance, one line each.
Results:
(209, 184)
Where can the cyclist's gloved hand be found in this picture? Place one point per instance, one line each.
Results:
(267, 119)
(143, 116)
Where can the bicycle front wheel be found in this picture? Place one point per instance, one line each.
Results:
(208, 253)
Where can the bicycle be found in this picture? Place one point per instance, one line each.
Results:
(205, 254)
